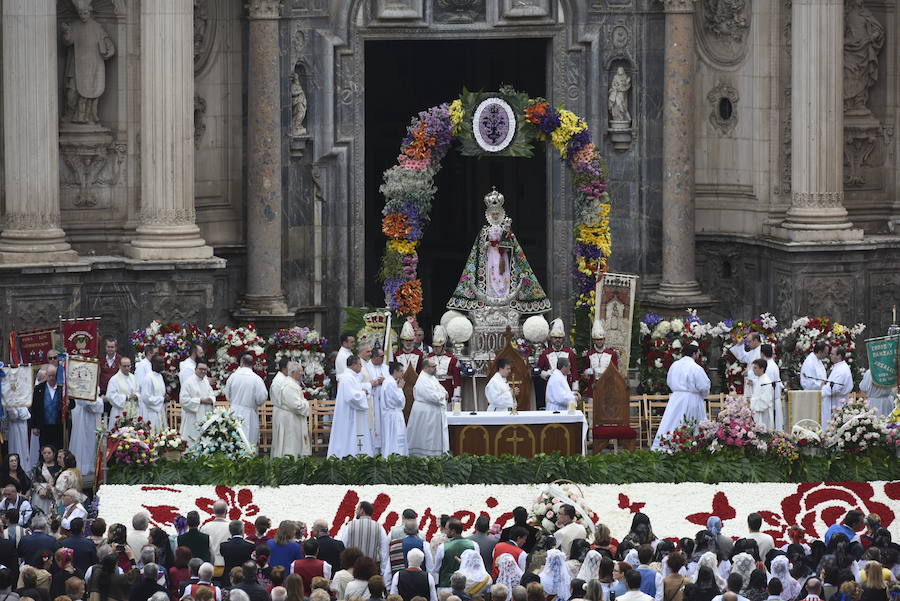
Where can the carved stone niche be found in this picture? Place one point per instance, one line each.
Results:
(92, 165)
(863, 152)
(723, 28)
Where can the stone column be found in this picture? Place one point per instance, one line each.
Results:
(167, 229)
(264, 294)
(32, 231)
(679, 285)
(817, 212)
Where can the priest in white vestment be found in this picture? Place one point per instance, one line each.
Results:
(839, 387)
(689, 385)
(350, 434)
(762, 403)
(122, 392)
(568, 530)
(767, 352)
(186, 368)
(290, 416)
(197, 399)
(748, 354)
(340, 361)
(880, 399)
(278, 380)
(812, 372)
(427, 432)
(378, 373)
(499, 395)
(143, 367)
(83, 440)
(246, 392)
(393, 425)
(559, 394)
(152, 395)
(17, 396)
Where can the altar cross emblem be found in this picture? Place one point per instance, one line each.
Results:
(515, 439)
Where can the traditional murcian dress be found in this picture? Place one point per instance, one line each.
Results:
(598, 362)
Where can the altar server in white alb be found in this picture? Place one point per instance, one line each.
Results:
(812, 372)
(762, 402)
(290, 416)
(122, 392)
(197, 398)
(142, 367)
(340, 361)
(839, 386)
(152, 395)
(186, 368)
(747, 351)
(278, 380)
(559, 393)
(500, 395)
(427, 430)
(350, 434)
(246, 392)
(880, 399)
(689, 385)
(393, 425)
(767, 352)
(378, 373)
(83, 441)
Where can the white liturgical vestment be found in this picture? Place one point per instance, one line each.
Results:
(812, 373)
(193, 390)
(746, 357)
(290, 421)
(837, 391)
(690, 386)
(761, 402)
(880, 399)
(559, 394)
(775, 377)
(427, 432)
(499, 394)
(393, 432)
(152, 400)
(246, 392)
(119, 393)
(350, 434)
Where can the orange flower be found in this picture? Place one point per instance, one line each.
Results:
(534, 112)
(409, 298)
(394, 226)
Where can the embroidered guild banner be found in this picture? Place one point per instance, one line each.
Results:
(80, 337)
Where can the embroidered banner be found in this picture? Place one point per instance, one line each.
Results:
(883, 360)
(32, 346)
(80, 336)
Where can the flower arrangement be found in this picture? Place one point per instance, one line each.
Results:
(686, 438)
(231, 344)
(221, 433)
(734, 426)
(408, 189)
(732, 370)
(782, 446)
(174, 341)
(798, 340)
(892, 436)
(854, 428)
(168, 440)
(545, 510)
(528, 349)
(134, 441)
(307, 347)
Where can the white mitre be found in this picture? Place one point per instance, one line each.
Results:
(557, 329)
(597, 331)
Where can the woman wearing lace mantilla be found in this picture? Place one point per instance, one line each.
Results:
(43, 478)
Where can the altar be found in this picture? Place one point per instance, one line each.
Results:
(526, 434)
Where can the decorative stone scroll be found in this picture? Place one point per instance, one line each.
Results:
(723, 28)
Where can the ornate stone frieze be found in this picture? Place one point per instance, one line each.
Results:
(829, 295)
(163, 216)
(817, 199)
(204, 32)
(722, 30)
(390, 10)
(459, 11)
(525, 9)
(863, 149)
(31, 221)
(678, 6)
(723, 99)
(263, 9)
(90, 169)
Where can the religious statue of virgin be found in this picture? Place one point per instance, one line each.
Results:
(497, 274)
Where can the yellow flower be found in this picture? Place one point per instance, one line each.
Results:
(456, 115)
(569, 125)
(596, 236)
(404, 247)
(838, 329)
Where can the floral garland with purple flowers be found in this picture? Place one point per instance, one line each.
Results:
(409, 189)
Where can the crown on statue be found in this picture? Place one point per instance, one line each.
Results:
(376, 321)
(493, 199)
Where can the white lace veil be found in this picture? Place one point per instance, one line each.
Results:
(508, 572)
(555, 577)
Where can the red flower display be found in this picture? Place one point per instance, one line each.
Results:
(721, 508)
(240, 505)
(625, 503)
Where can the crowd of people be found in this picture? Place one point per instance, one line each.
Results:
(79, 559)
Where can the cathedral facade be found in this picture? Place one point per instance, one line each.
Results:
(218, 161)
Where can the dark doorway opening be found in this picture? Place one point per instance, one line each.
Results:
(407, 76)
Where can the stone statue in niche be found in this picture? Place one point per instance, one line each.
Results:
(618, 99)
(85, 74)
(298, 106)
(863, 41)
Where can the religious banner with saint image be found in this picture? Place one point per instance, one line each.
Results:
(80, 336)
(82, 377)
(615, 309)
(32, 346)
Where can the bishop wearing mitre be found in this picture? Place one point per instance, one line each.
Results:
(446, 365)
(408, 354)
(599, 357)
(547, 362)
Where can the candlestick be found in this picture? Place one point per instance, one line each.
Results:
(894, 314)
(573, 407)
(457, 407)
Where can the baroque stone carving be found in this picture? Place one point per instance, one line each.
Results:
(204, 32)
(31, 220)
(263, 9)
(618, 99)
(526, 9)
(862, 148)
(863, 41)
(91, 166)
(199, 119)
(399, 9)
(298, 106)
(163, 216)
(85, 72)
(722, 27)
(724, 99)
(829, 295)
(459, 11)
(817, 199)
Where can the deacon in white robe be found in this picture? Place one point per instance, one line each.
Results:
(186, 368)
(762, 404)
(340, 361)
(378, 373)
(839, 387)
(559, 394)
(774, 374)
(143, 367)
(197, 398)
(247, 392)
(748, 354)
(290, 416)
(350, 434)
(17, 395)
(880, 399)
(152, 395)
(498, 392)
(83, 440)
(393, 425)
(427, 432)
(122, 393)
(812, 372)
(690, 386)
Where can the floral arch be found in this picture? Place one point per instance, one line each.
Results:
(503, 123)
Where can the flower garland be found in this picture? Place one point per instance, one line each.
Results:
(732, 370)
(798, 341)
(232, 343)
(307, 347)
(408, 190)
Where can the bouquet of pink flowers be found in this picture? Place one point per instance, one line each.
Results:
(734, 426)
(545, 510)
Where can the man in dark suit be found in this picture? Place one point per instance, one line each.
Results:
(8, 556)
(35, 542)
(235, 550)
(250, 585)
(46, 411)
(194, 570)
(85, 550)
(145, 587)
(520, 518)
(329, 549)
(195, 540)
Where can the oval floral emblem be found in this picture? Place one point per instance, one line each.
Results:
(494, 124)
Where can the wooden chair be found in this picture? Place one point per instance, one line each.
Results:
(612, 409)
(321, 414)
(520, 377)
(714, 404)
(654, 407)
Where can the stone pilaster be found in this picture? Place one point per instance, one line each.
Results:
(817, 210)
(679, 286)
(32, 232)
(167, 229)
(264, 295)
